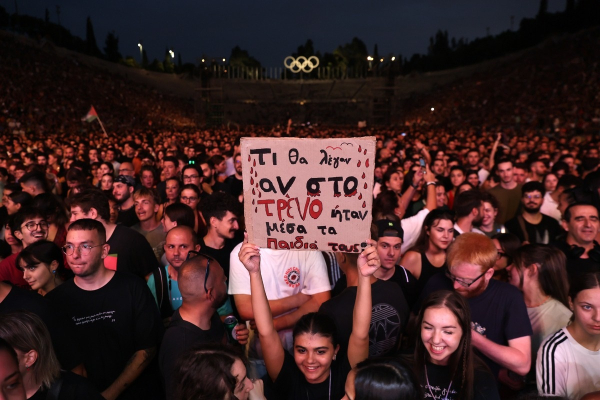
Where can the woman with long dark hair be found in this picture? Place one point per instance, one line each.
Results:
(428, 256)
(444, 360)
(539, 272)
(312, 372)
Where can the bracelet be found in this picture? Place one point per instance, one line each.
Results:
(414, 186)
(430, 183)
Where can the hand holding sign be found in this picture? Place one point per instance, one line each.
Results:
(368, 261)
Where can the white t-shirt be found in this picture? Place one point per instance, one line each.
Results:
(284, 273)
(565, 368)
(550, 207)
(412, 228)
(546, 320)
(460, 231)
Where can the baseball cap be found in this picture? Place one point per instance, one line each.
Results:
(389, 228)
(126, 179)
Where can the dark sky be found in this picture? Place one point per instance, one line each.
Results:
(272, 29)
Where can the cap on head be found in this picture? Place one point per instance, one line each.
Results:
(389, 228)
(126, 179)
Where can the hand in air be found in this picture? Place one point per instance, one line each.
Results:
(249, 255)
(368, 261)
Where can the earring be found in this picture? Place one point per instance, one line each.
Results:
(334, 356)
(54, 271)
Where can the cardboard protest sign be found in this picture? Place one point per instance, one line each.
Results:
(308, 194)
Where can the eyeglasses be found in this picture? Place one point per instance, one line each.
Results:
(192, 198)
(193, 253)
(461, 281)
(84, 249)
(532, 196)
(32, 226)
(501, 254)
(190, 176)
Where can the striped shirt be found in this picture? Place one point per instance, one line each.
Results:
(565, 368)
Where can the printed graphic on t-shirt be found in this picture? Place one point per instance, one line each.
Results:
(438, 392)
(101, 316)
(385, 328)
(292, 277)
(478, 328)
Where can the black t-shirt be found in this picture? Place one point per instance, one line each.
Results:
(73, 387)
(388, 319)
(402, 277)
(180, 336)
(128, 217)
(543, 233)
(234, 186)
(221, 255)
(577, 266)
(133, 252)
(499, 313)
(437, 382)
(62, 331)
(291, 384)
(115, 321)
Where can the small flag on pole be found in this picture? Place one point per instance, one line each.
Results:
(91, 115)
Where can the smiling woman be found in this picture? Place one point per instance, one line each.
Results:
(313, 371)
(444, 360)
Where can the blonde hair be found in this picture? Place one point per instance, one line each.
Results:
(472, 248)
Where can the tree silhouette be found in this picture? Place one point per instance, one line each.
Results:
(91, 47)
(241, 58)
(111, 49)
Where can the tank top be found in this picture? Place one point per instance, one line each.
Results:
(427, 271)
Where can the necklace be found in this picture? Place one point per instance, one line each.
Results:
(308, 397)
(429, 386)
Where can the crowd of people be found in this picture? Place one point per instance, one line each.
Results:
(125, 273)
(482, 278)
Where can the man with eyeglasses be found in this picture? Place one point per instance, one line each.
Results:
(501, 330)
(192, 174)
(530, 225)
(115, 314)
(203, 286)
(29, 226)
(129, 250)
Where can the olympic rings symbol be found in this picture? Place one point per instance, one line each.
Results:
(301, 63)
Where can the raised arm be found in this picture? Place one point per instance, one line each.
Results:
(273, 351)
(430, 202)
(493, 153)
(358, 345)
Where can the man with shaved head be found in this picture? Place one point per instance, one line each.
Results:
(203, 286)
(164, 284)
